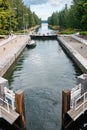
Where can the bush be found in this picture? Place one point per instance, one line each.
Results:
(83, 33)
(53, 27)
(4, 32)
(68, 31)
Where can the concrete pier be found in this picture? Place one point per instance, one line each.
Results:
(10, 49)
(76, 50)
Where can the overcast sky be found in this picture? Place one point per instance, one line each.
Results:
(44, 8)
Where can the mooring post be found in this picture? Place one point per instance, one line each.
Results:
(65, 106)
(19, 98)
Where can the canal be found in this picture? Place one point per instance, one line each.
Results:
(43, 72)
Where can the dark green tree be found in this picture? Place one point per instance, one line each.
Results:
(7, 17)
(73, 17)
(25, 18)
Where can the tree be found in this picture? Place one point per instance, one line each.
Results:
(25, 18)
(5, 17)
(74, 17)
(84, 17)
(14, 15)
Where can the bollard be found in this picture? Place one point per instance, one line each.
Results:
(19, 98)
(65, 106)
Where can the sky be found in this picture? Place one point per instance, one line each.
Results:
(45, 8)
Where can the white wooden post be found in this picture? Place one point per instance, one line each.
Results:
(8, 107)
(13, 106)
(10, 95)
(84, 103)
(0, 112)
(75, 104)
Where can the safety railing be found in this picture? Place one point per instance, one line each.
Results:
(81, 102)
(75, 93)
(4, 105)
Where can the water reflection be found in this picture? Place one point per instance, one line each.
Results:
(43, 73)
(44, 29)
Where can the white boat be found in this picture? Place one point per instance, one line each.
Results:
(31, 43)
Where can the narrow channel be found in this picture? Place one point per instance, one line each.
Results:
(43, 72)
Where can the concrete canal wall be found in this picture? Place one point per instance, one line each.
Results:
(79, 39)
(73, 53)
(10, 49)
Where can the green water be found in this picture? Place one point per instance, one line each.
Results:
(43, 72)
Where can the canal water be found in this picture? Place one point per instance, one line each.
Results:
(43, 72)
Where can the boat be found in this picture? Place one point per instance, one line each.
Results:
(30, 43)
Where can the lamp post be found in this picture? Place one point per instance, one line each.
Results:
(10, 20)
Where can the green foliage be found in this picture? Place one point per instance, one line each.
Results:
(25, 18)
(14, 15)
(53, 27)
(73, 17)
(83, 33)
(53, 20)
(68, 31)
(6, 14)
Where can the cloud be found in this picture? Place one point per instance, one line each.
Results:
(45, 8)
(60, 2)
(34, 2)
(52, 2)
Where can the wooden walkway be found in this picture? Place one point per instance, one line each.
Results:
(12, 113)
(44, 35)
(7, 113)
(79, 107)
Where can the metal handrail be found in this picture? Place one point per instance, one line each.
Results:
(81, 101)
(75, 93)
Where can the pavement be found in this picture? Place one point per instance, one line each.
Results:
(9, 47)
(77, 49)
(78, 45)
(4, 41)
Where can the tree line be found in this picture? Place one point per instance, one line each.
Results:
(14, 15)
(73, 17)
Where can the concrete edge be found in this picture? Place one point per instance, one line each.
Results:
(11, 60)
(77, 58)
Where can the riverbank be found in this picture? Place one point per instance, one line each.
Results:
(76, 50)
(10, 49)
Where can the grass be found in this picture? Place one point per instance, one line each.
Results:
(53, 27)
(68, 31)
(83, 33)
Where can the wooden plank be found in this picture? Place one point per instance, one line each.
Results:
(9, 116)
(65, 107)
(74, 114)
(20, 108)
